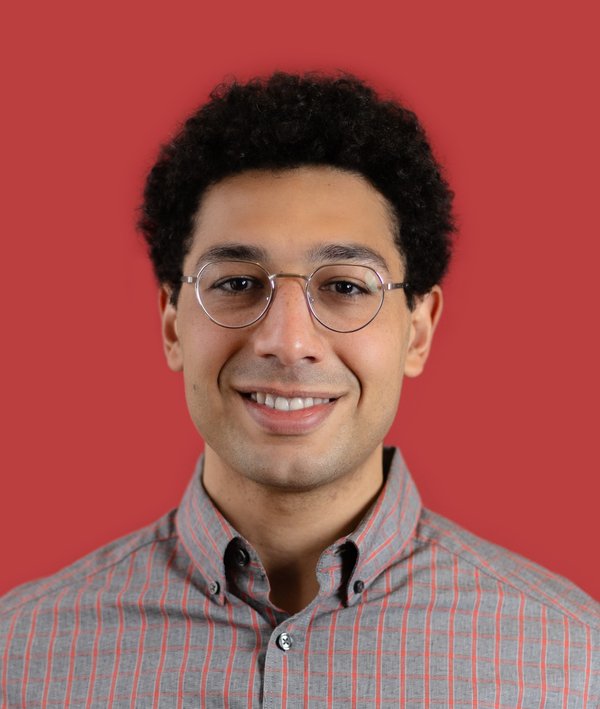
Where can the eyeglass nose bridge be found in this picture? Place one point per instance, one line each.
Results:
(307, 296)
(273, 276)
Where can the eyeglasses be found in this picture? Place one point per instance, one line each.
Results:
(342, 297)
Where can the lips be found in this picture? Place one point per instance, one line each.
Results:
(293, 415)
(283, 403)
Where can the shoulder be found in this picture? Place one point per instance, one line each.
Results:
(507, 575)
(91, 570)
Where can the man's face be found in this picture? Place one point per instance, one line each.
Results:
(290, 216)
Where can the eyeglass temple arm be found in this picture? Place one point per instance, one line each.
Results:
(394, 286)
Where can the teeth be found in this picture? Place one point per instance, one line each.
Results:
(282, 403)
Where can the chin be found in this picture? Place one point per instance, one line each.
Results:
(292, 473)
(293, 467)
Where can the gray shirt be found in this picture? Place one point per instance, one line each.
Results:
(412, 611)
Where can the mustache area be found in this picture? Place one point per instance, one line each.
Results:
(307, 378)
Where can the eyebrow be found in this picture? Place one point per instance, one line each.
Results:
(328, 253)
(348, 252)
(233, 252)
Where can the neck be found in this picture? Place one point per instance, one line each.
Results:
(289, 528)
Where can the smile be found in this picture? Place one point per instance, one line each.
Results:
(282, 403)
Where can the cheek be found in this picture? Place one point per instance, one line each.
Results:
(377, 360)
(206, 348)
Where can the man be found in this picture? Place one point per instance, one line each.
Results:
(299, 228)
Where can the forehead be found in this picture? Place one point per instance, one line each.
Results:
(291, 215)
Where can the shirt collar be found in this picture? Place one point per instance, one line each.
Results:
(204, 532)
(378, 541)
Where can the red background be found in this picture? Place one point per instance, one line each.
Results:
(502, 430)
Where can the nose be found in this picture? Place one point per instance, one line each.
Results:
(288, 331)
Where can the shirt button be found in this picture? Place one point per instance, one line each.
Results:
(214, 588)
(359, 587)
(284, 641)
(241, 556)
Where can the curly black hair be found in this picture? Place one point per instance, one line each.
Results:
(286, 121)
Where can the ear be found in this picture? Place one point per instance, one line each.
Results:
(168, 317)
(424, 320)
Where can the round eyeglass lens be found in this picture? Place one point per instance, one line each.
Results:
(233, 293)
(345, 297)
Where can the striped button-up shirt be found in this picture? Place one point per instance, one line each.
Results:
(412, 611)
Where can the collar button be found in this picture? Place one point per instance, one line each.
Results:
(241, 556)
(359, 586)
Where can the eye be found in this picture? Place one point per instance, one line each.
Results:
(237, 284)
(344, 288)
